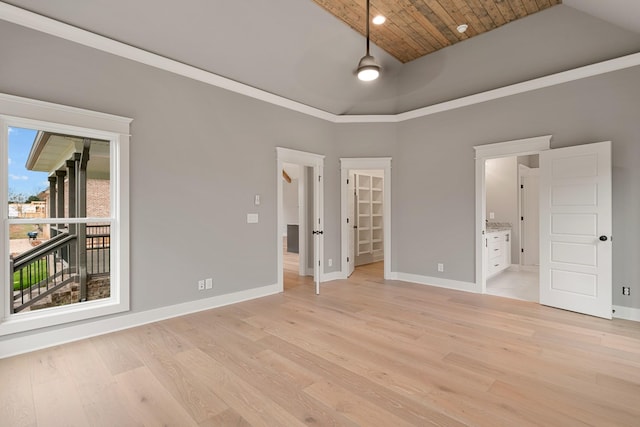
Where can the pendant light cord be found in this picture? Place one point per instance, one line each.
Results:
(368, 27)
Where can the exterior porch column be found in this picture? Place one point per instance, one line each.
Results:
(52, 204)
(73, 249)
(82, 213)
(60, 174)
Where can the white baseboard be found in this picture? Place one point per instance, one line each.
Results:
(37, 341)
(435, 281)
(334, 275)
(627, 313)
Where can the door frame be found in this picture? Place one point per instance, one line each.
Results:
(519, 147)
(379, 163)
(316, 161)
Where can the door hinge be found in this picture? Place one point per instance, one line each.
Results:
(347, 220)
(521, 186)
(347, 181)
(522, 250)
(521, 218)
(319, 178)
(347, 259)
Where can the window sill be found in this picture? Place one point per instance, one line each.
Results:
(16, 323)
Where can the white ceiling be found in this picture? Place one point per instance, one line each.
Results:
(297, 50)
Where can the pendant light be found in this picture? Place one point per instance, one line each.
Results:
(368, 69)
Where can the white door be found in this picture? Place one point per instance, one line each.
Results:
(531, 217)
(317, 227)
(351, 199)
(575, 229)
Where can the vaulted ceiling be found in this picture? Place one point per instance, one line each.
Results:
(301, 52)
(414, 28)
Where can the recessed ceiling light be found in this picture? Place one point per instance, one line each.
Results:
(379, 20)
(462, 28)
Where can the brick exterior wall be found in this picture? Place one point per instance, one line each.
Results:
(98, 198)
(97, 288)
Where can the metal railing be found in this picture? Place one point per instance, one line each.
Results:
(41, 271)
(98, 250)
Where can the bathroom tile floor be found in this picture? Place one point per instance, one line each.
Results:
(522, 285)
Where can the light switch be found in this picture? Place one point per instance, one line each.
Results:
(256, 200)
(492, 215)
(252, 218)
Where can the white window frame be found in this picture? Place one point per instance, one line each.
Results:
(32, 114)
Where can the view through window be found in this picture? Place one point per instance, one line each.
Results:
(59, 219)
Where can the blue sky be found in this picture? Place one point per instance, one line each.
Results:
(22, 180)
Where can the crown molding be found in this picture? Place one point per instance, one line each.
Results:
(59, 29)
(592, 70)
(64, 31)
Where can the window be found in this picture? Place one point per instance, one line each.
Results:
(65, 198)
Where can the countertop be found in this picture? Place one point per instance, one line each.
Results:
(497, 229)
(494, 227)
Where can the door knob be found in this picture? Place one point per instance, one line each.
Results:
(603, 238)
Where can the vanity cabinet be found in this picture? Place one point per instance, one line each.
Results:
(498, 247)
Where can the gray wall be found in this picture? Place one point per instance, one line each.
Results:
(433, 187)
(190, 139)
(192, 145)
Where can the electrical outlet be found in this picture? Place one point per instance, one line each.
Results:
(209, 283)
(440, 267)
(330, 262)
(201, 285)
(626, 290)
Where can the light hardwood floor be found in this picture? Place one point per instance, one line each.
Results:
(291, 268)
(366, 352)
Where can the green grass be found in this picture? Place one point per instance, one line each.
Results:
(19, 231)
(38, 273)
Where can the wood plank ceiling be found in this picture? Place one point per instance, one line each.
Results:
(415, 28)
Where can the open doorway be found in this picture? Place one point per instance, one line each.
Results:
(293, 209)
(300, 219)
(366, 208)
(575, 223)
(297, 211)
(500, 267)
(512, 227)
(366, 216)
